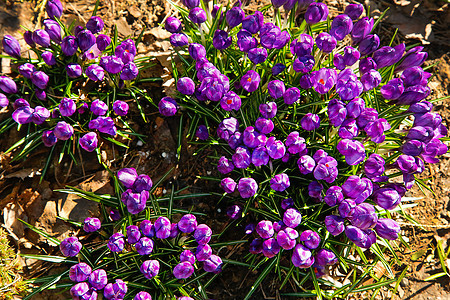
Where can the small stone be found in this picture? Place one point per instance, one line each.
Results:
(404, 282)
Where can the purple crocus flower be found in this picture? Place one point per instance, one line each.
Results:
(186, 86)
(333, 196)
(295, 143)
(369, 44)
(187, 255)
(95, 24)
(303, 64)
(376, 129)
(276, 88)
(63, 131)
(359, 237)
(280, 182)
(315, 189)
(291, 95)
(69, 45)
(73, 70)
(310, 239)
(162, 228)
(366, 64)
(361, 29)
(85, 39)
(325, 257)
(144, 246)
(316, 12)
(350, 56)
(241, 158)
(80, 272)
(336, 112)
(334, 224)
(414, 57)
(348, 86)
(354, 11)
(78, 290)
(253, 23)
(28, 37)
(270, 248)
(197, 15)
(228, 185)
(203, 252)
(306, 164)
(70, 246)
(250, 81)
(387, 197)
(257, 55)
(89, 141)
(277, 69)
(142, 296)
(167, 106)
(183, 270)
(387, 228)
(11, 46)
(150, 268)
(202, 133)
(202, 234)
(326, 42)
(102, 41)
(221, 40)
(302, 46)
(187, 223)
(48, 58)
(286, 238)
(247, 187)
(348, 129)
(275, 148)
(268, 110)
(264, 126)
(324, 80)
(415, 76)
(54, 9)
(116, 242)
(292, 218)
(260, 156)
(129, 71)
(234, 212)
(53, 29)
(120, 108)
(27, 69)
(367, 116)
(393, 89)
(341, 26)
(374, 166)
(387, 56)
(302, 257)
(212, 265)
(338, 61)
(112, 64)
(246, 41)
(227, 127)
(234, 16)
(353, 151)
(3, 100)
(95, 72)
(310, 122)
(133, 234)
(370, 80)
(38, 78)
(230, 101)
(99, 108)
(265, 229)
(179, 40)
(41, 38)
(39, 115)
(363, 216)
(48, 138)
(116, 290)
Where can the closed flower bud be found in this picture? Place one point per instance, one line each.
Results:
(334, 224)
(292, 218)
(302, 257)
(142, 296)
(387, 197)
(260, 156)
(48, 138)
(89, 141)
(225, 165)
(116, 242)
(337, 112)
(345, 207)
(234, 16)
(369, 44)
(302, 46)
(112, 64)
(325, 42)
(246, 41)
(276, 89)
(191, 3)
(202, 234)
(80, 272)
(38, 78)
(74, 70)
(280, 182)
(247, 187)
(253, 23)
(186, 86)
(85, 39)
(54, 9)
(7, 85)
(256, 246)
(116, 290)
(257, 55)
(228, 185)
(270, 248)
(197, 15)
(203, 252)
(275, 148)
(162, 228)
(42, 38)
(310, 239)
(187, 256)
(387, 56)
(363, 216)
(79, 290)
(120, 108)
(304, 64)
(291, 95)
(310, 122)
(69, 45)
(265, 229)
(183, 270)
(11, 46)
(277, 69)
(361, 29)
(393, 89)
(354, 11)
(95, 24)
(27, 70)
(414, 57)
(221, 40)
(70, 246)
(351, 56)
(325, 257)
(366, 64)
(333, 196)
(48, 58)
(187, 223)
(91, 224)
(53, 29)
(306, 164)
(213, 264)
(63, 131)
(358, 237)
(147, 228)
(234, 212)
(95, 72)
(353, 151)
(286, 238)
(167, 107)
(127, 176)
(144, 246)
(99, 107)
(129, 71)
(316, 12)
(371, 80)
(387, 229)
(268, 110)
(28, 37)
(3, 100)
(315, 188)
(341, 26)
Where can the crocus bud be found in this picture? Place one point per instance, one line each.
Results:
(265, 229)
(225, 165)
(112, 64)
(48, 138)
(144, 246)
(129, 71)
(393, 89)
(270, 248)
(234, 16)
(202, 234)
(80, 272)
(183, 270)
(79, 289)
(53, 29)
(221, 40)
(256, 246)
(286, 238)
(292, 218)
(116, 290)
(354, 11)
(115, 215)
(120, 108)
(302, 46)
(257, 55)
(363, 216)
(353, 151)
(310, 239)
(27, 69)
(186, 86)
(280, 182)
(70, 246)
(39, 79)
(414, 57)
(291, 95)
(277, 69)
(213, 264)
(187, 223)
(3, 100)
(197, 15)
(91, 224)
(95, 24)
(99, 107)
(11, 46)
(387, 197)
(371, 80)
(203, 252)
(7, 85)
(89, 141)
(116, 242)
(85, 39)
(228, 185)
(54, 9)
(268, 110)
(247, 187)
(167, 107)
(48, 58)
(325, 257)
(147, 228)
(351, 56)
(42, 38)
(316, 12)
(369, 44)
(341, 26)
(103, 41)
(187, 255)
(253, 23)
(69, 45)
(310, 122)
(334, 224)
(358, 236)
(74, 70)
(95, 72)
(387, 229)
(361, 29)
(302, 257)
(142, 296)
(234, 212)
(250, 81)
(39, 115)
(374, 165)
(276, 89)
(162, 228)
(63, 131)
(326, 42)
(127, 176)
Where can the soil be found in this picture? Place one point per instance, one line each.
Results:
(23, 197)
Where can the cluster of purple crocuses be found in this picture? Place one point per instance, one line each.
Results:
(349, 83)
(85, 55)
(282, 234)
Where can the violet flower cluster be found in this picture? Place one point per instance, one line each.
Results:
(322, 124)
(68, 61)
